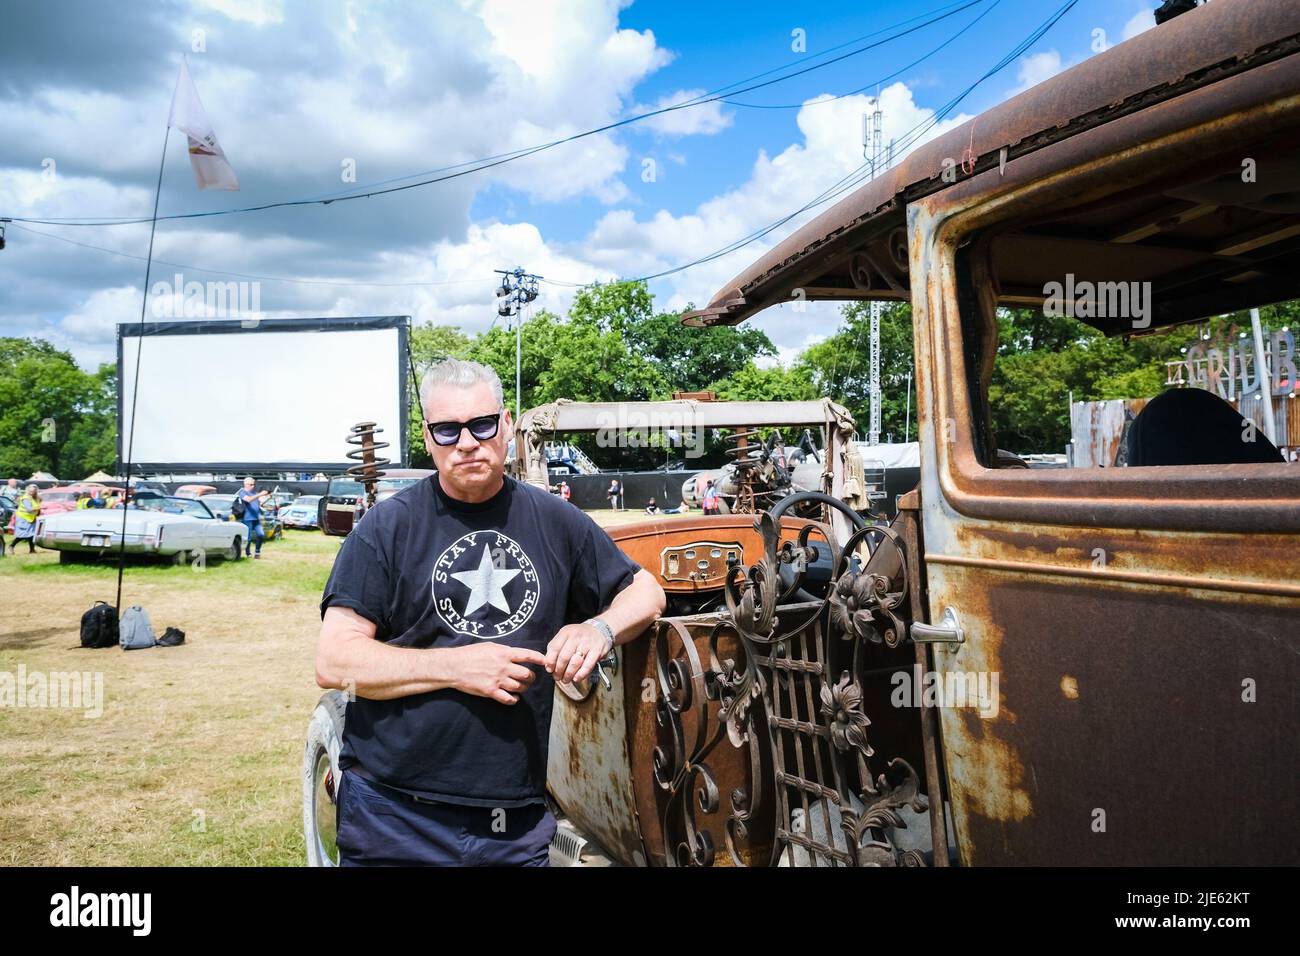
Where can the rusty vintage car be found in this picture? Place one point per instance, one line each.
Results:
(1082, 666)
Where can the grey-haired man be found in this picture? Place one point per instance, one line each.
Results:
(451, 610)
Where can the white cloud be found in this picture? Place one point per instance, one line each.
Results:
(1035, 68)
(257, 12)
(95, 323)
(704, 119)
(777, 186)
(1140, 22)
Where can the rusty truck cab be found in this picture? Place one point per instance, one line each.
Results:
(1129, 636)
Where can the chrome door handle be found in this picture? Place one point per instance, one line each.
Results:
(947, 631)
(610, 662)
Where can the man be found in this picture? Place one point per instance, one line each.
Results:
(450, 612)
(613, 492)
(651, 507)
(565, 491)
(252, 516)
(709, 501)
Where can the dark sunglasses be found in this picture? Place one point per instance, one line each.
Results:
(448, 433)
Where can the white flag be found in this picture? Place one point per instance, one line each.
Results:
(211, 168)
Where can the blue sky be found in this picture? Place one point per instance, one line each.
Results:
(296, 89)
(719, 43)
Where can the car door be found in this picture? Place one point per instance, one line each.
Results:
(1121, 646)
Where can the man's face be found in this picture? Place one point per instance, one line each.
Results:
(470, 468)
(248, 484)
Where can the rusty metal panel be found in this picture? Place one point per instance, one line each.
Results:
(666, 784)
(651, 543)
(1124, 731)
(588, 770)
(1096, 429)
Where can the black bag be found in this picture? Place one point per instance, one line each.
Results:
(99, 626)
(237, 508)
(171, 637)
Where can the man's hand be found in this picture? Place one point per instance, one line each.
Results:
(574, 651)
(495, 670)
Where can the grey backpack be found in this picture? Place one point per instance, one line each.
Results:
(135, 630)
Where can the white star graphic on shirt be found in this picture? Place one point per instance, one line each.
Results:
(485, 584)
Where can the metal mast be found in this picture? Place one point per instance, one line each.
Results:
(517, 289)
(872, 143)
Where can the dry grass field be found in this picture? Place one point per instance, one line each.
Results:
(197, 755)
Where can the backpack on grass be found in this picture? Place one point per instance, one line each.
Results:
(99, 626)
(136, 630)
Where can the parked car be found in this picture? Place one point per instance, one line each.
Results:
(194, 491)
(281, 499)
(164, 526)
(219, 505)
(53, 501)
(344, 501)
(302, 513)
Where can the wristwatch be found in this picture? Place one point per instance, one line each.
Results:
(605, 629)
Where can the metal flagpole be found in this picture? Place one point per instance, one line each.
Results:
(135, 386)
(1264, 377)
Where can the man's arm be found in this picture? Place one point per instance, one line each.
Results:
(574, 651)
(349, 658)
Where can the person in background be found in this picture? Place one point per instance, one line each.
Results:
(709, 500)
(614, 492)
(565, 491)
(651, 508)
(252, 517)
(92, 500)
(29, 506)
(9, 494)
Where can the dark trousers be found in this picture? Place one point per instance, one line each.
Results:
(379, 826)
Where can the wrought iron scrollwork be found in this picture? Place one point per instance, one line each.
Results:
(785, 680)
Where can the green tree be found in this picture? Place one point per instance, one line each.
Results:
(614, 306)
(92, 440)
(840, 367)
(45, 399)
(775, 384)
(430, 342)
(692, 359)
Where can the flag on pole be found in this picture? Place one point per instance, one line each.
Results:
(211, 168)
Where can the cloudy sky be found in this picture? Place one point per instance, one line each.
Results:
(301, 94)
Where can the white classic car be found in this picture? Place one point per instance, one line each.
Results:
(163, 526)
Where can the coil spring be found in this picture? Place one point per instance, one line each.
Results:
(369, 468)
(746, 448)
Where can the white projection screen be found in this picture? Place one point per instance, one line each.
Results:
(281, 395)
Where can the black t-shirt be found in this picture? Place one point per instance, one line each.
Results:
(432, 571)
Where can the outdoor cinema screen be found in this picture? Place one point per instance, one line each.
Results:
(275, 395)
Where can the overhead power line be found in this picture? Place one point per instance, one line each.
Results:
(458, 170)
(841, 186)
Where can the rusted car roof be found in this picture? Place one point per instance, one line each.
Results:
(825, 257)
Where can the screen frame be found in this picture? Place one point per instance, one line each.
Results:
(397, 447)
